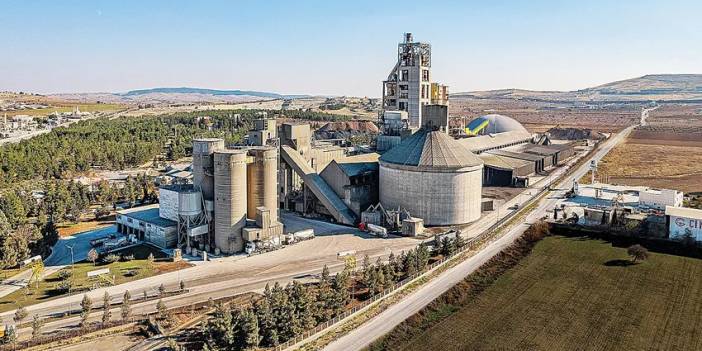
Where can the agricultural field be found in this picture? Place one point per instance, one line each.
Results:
(573, 294)
(539, 116)
(663, 157)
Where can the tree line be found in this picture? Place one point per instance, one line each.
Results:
(286, 312)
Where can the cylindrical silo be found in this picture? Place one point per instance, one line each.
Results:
(230, 199)
(203, 149)
(262, 178)
(433, 177)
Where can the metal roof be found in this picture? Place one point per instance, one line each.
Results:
(148, 214)
(431, 149)
(502, 162)
(496, 124)
(683, 212)
(485, 142)
(358, 168)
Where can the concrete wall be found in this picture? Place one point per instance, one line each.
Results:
(440, 198)
(230, 200)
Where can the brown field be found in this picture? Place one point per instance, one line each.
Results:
(657, 157)
(540, 116)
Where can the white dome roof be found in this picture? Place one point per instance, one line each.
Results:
(497, 124)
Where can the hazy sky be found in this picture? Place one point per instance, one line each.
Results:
(340, 48)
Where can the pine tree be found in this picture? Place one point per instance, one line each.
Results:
(20, 314)
(86, 306)
(37, 324)
(106, 304)
(161, 311)
(304, 307)
(250, 329)
(341, 291)
(10, 335)
(366, 269)
(266, 323)
(126, 303)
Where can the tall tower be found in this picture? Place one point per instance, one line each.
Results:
(408, 86)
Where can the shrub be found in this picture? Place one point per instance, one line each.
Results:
(127, 258)
(111, 258)
(65, 274)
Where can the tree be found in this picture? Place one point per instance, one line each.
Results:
(637, 253)
(37, 324)
(10, 335)
(125, 309)
(161, 310)
(106, 304)
(20, 314)
(161, 290)
(93, 255)
(249, 329)
(86, 306)
(182, 285)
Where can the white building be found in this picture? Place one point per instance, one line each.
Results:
(683, 221)
(660, 199)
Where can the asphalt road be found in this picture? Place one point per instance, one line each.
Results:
(227, 276)
(383, 323)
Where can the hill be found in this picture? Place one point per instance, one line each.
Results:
(215, 92)
(176, 96)
(656, 87)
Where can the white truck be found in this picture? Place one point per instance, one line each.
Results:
(377, 230)
(300, 235)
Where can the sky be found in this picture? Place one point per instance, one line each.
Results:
(339, 47)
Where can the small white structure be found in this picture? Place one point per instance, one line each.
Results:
(660, 199)
(684, 222)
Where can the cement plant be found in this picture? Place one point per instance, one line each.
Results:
(420, 216)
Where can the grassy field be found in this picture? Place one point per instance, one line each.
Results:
(570, 294)
(123, 272)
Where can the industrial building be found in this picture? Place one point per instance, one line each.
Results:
(355, 180)
(684, 223)
(409, 85)
(147, 225)
(661, 199)
(433, 177)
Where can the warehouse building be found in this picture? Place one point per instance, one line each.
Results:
(660, 198)
(684, 223)
(536, 161)
(148, 226)
(505, 171)
(554, 154)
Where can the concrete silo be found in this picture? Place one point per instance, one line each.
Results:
(262, 176)
(230, 200)
(434, 177)
(203, 150)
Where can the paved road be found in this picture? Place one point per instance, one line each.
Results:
(383, 323)
(229, 276)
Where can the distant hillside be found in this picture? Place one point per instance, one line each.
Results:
(658, 87)
(177, 96)
(214, 92)
(653, 84)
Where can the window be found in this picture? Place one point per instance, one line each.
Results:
(402, 106)
(404, 76)
(404, 87)
(425, 75)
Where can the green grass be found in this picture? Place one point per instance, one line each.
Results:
(46, 290)
(564, 296)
